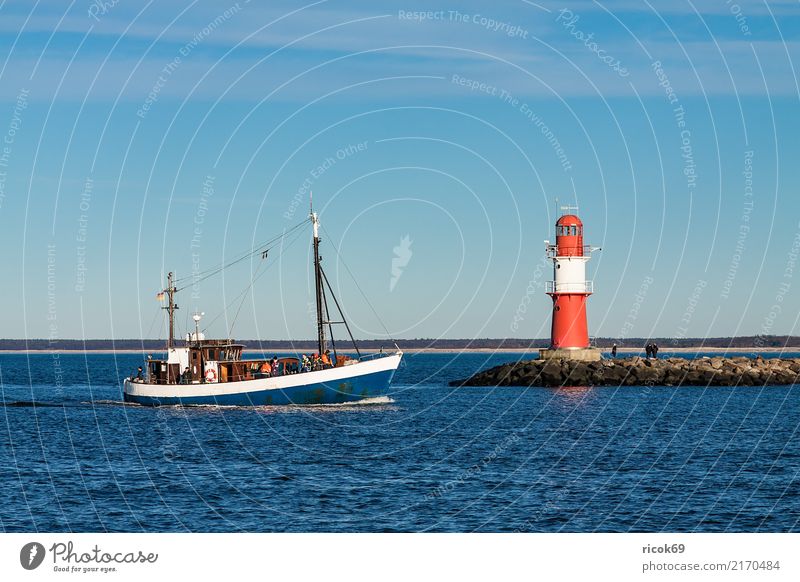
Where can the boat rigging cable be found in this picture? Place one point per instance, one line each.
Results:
(255, 278)
(257, 275)
(341, 313)
(360, 290)
(195, 278)
(262, 249)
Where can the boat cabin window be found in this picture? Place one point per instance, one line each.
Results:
(230, 353)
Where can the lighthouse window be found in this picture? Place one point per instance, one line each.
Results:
(574, 230)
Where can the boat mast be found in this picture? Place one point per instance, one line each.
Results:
(318, 283)
(171, 307)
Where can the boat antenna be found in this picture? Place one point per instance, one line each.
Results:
(197, 317)
(318, 283)
(171, 307)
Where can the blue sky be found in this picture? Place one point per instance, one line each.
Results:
(673, 125)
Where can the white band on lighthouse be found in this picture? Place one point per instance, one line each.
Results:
(570, 275)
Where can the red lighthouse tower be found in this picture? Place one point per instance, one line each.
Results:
(569, 289)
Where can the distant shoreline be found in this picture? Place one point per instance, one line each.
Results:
(768, 343)
(534, 351)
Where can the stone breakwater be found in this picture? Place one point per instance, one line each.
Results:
(718, 371)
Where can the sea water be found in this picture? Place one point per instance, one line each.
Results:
(428, 458)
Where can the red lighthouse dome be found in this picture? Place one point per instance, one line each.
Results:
(569, 236)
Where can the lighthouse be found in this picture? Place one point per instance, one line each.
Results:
(569, 290)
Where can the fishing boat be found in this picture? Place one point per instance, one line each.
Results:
(213, 371)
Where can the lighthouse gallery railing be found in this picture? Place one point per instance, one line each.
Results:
(584, 287)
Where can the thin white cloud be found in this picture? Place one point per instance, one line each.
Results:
(387, 45)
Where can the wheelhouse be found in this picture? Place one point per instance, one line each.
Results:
(200, 361)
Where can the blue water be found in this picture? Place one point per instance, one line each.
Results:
(433, 458)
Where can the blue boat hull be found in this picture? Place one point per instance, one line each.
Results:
(335, 392)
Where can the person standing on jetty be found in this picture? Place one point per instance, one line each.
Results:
(614, 351)
(648, 349)
(654, 350)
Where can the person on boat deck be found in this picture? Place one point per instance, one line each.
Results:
(315, 362)
(266, 370)
(139, 374)
(306, 365)
(185, 376)
(326, 359)
(275, 366)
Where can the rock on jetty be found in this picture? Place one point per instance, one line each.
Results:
(718, 371)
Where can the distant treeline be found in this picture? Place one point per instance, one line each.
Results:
(776, 341)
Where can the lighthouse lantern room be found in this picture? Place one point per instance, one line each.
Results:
(569, 290)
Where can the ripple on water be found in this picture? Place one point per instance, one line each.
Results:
(429, 458)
